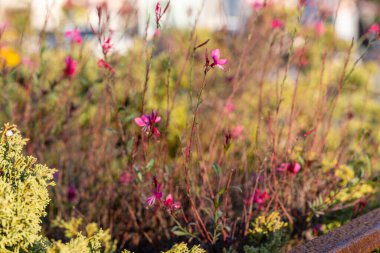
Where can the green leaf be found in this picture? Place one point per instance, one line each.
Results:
(369, 166)
(222, 191)
(179, 233)
(216, 167)
(150, 165)
(238, 188)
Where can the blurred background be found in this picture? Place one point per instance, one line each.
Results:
(350, 18)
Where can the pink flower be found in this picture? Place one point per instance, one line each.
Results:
(375, 28)
(106, 45)
(157, 32)
(148, 122)
(276, 23)
(74, 36)
(172, 206)
(215, 54)
(3, 27)
(125, 178)
(320, 28)
(229, 107)
(236, 131)
(159, 12)
(293, 168)
(29, 63)
(257, 6)
(71, 66)
(156, 194)
(105, 65)
(259, 198)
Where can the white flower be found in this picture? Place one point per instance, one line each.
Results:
(9, 133)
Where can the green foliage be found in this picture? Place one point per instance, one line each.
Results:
(96, 239)
(79, 244)
(183, 248)
(23, 193)
(268, 234)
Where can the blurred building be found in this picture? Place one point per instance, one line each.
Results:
(213, 14)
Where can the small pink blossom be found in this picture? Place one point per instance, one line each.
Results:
(71, 66)
(74, 36)
(172, 206)
(105, 65)
(293, 168)
(106, 45)
(156, 194)
(159, 12)
(320, 28)
(277, 24)
(147, 122)
(29, 63)
(236, 131)
(229, 107)
(257, 6)
(259, 198)
(375, 28)
(125, 178)
(217, 62)
(157, 32)
(3, 27)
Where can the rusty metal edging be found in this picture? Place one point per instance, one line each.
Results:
(361, 235)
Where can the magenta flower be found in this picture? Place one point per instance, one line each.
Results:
(277, 24)
(125, 178)
(148, 122)
(74, 36)
(293, 168)
(157, 32)
(71, 66)
(257, 6)
(215, 54)
(159, 12)
(156, 194)
(105, 65)
(229, 107)
(320, 28)
(237, 131)
(106, 45)
(172, 206)
(375, 28)
(259, 198)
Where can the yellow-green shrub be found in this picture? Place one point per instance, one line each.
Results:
(23, 193)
